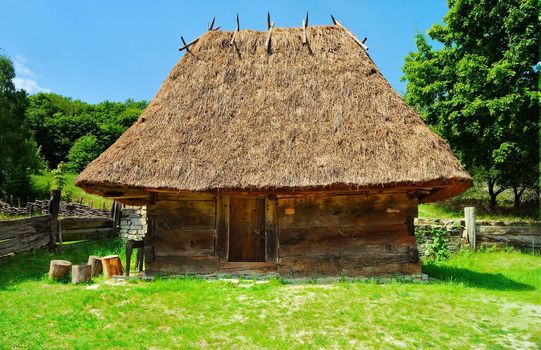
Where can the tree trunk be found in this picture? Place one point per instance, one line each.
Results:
(80, 273)
(518, 195)
(59, 269)
(95, 263)
(112, 266)
(492, 193)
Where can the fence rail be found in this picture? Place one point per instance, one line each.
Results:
(24, 234)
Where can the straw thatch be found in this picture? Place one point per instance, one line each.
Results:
(318, 116)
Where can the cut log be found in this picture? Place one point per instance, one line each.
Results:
(80, 273)
(95, 265)
(112, 266)
(59, 269)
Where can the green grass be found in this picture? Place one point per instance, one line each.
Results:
(42, 183)
(486, 300)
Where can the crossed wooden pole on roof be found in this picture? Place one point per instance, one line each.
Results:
(270, 26)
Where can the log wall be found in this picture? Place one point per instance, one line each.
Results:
(24, 234)
(352, 235)
(181, 235)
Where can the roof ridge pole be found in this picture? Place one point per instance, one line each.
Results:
(268, 41)
(232, 42)
(350, 34)
(304, 25)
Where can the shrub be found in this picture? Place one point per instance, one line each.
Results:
(438, 250)
(83, 151)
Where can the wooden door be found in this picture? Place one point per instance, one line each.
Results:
(247, 229)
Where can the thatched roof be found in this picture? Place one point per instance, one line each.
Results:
(318, 116)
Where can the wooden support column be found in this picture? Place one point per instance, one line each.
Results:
(222, 227)
(54, 208)
(271, 229)
(469, 222)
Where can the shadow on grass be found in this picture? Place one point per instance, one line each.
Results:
(34, 265)
(493, 281)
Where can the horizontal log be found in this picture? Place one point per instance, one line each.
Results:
(181, 265)
(183, 214)
(24, 243)
(185, 196)
(343, 266)
(86, 234)
(242, 268)
(70, 223)
(184, 243)
(534, 230)
(318, 211)
(21, 227)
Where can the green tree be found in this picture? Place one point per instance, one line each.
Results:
(19, 154)
(478, 88)
(83, 151)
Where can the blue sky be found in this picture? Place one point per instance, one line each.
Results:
(113, 50)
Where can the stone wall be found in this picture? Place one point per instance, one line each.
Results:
(133, 222)
(454, 229)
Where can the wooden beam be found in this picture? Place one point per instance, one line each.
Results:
(211, 25)
(304, 25)
(268, 21)
(232, 42)
(187, 46)
(350, 34)
(268, 41)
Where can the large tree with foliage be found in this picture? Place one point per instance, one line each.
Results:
(477, 87)
(19, 156)
(58, 122)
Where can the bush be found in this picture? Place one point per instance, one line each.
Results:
(438, 250)
(83, 151)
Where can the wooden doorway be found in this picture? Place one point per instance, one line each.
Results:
(246, 229)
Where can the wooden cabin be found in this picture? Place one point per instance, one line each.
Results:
(283, 151)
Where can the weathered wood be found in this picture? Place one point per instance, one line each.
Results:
(184, 214)
(81, 273)
(271, 229)
(184, 242)
(247, 229)
(164, 196)
(245, 268)
(149, 253)
(327, 211)
(222, 227)
(21, 227)
(232, 42)
(54, 208)
(524, 236)
(182, 265)
(268, 40)
(95, 265)
(112, 266)
(59, 269)
(87, 234)
(187, 46)
(469, 220)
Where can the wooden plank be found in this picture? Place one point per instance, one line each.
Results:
(346, 241)
(298, 268)
(319, 211)
(167, 265)
(69, 223)
(222, 227)
(170, 215)
(21, 227)
(247, 229)
(173, 196)
(271, 229)
(87, 234)
(246, 268)
(184, 243)
(24, 243)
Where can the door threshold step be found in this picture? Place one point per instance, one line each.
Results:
(246, 267)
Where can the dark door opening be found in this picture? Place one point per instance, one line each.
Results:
(246, 229)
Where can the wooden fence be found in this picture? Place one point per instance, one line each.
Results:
(81, 228)
(25, 234)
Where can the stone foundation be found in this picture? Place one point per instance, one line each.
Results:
(133, 222)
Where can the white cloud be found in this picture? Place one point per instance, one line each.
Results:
(31, 86)
(25, 78)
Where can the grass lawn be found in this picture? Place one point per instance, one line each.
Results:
(488, 300)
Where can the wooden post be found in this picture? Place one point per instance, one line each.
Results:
(469, 222)
(80, 273)
(271, 239)
(54, 208)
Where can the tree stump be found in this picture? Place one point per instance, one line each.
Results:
(59, 269)
(95, 263)
(112, 266)
(80, 273)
